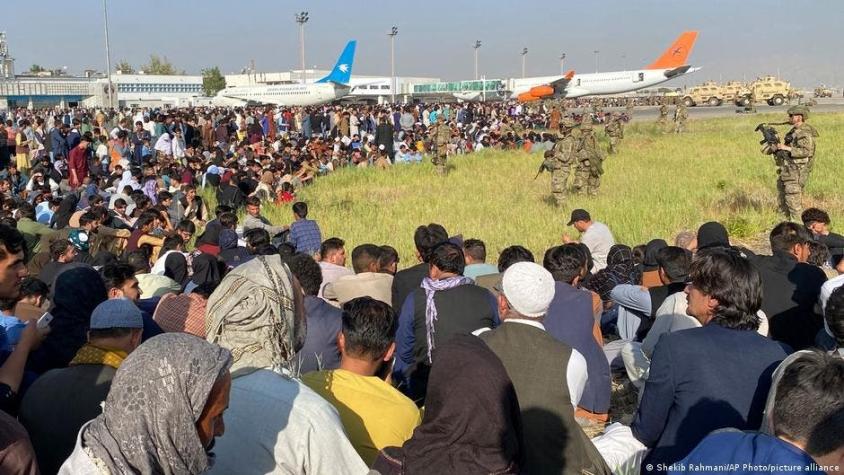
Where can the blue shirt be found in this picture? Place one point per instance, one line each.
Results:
(306, 236)
(473, 271)
(744, 453)
(43, 213)
(10, 332)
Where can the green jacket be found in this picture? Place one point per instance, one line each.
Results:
(32, 232)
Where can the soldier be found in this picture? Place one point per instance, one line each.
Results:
(518, 129)
(589, 160)
(663, 115)
(680, 116)
(750, 107)
(564, 157)
(442, 136)
(629, 109)
(615, 132)
(795, 166)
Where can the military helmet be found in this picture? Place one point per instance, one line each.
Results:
(440, 118)
(799, 110)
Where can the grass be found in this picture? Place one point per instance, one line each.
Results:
(655, 187)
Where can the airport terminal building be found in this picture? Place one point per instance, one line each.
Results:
(146, 90)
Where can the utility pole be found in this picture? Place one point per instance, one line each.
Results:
(524, 61)
(392, 34)
(302, 18)
(477, 46)
(596, 60)
(562, 61)
(108, 58)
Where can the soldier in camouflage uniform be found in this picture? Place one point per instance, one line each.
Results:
(442, 136)
(680, 116)
(629, 109)
(615, 132)
(663, 115)
(794, 170)
(590, 160)
(562, 161)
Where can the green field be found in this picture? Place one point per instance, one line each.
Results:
(655, 187)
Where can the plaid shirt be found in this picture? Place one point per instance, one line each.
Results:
(305, 235)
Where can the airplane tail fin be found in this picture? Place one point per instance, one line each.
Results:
(677, 53)
(342, 71)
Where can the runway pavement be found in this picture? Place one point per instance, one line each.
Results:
(650, 113)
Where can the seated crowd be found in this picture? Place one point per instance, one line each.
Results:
(143, 332)
(265, 353)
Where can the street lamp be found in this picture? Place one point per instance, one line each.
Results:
(524, 56)
(477, 46)
(392, 34)
(301, 18)
(562, 61)
(108, 57)
(596, 60)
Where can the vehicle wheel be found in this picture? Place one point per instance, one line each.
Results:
(714, 101)
(777, 100)
(688, 102)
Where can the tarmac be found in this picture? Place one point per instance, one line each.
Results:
(651, 113)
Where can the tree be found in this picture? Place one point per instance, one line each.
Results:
(212, 81)
(36, 68)
(161, 66)
(124, 67)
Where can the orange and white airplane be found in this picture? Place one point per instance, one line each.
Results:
(670, 65)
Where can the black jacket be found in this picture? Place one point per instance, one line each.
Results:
(406, 281)
(789, 294)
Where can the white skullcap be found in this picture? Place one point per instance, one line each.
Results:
(529, 288)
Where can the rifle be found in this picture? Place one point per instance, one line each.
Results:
(542, 168)
(772, 139)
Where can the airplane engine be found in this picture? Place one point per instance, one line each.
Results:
(541, 91)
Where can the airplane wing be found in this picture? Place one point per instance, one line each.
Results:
(556, 88)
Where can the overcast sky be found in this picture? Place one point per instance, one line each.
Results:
(739, 39)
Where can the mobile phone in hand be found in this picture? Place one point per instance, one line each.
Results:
(44, 320)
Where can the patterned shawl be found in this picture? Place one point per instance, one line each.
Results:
(252, 313)
(148, 424)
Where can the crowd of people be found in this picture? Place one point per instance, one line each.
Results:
(86, 146)
(143, 332)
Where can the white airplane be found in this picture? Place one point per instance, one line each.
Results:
(327, 89)
(670, 65)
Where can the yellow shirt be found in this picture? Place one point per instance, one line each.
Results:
(374, 414)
